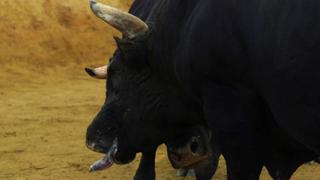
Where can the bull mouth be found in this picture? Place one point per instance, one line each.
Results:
(112, 156)
(108, 160)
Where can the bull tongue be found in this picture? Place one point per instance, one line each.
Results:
(101, 164)
(107, 161)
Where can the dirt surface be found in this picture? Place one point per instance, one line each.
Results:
(47, 101)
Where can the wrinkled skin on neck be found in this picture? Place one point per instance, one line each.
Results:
(140, 111)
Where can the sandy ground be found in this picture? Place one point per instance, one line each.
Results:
(47, 101)
(43, 118)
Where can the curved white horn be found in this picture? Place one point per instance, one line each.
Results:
(130, 25)
(98, 73)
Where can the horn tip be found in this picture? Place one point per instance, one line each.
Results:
(90, 71)
(94, 6)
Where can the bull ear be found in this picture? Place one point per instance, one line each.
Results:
(98, 73)
(133, 51)
(124, 45)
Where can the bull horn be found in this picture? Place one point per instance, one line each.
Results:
(98, 73)
(130, 25)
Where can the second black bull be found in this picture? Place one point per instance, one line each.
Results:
(249, 70)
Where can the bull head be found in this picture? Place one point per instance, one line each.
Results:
(141, 111)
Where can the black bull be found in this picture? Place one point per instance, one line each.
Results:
(249, 70)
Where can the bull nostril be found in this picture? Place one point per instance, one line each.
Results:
(88, 141)
(91, 145)
(194, 146)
